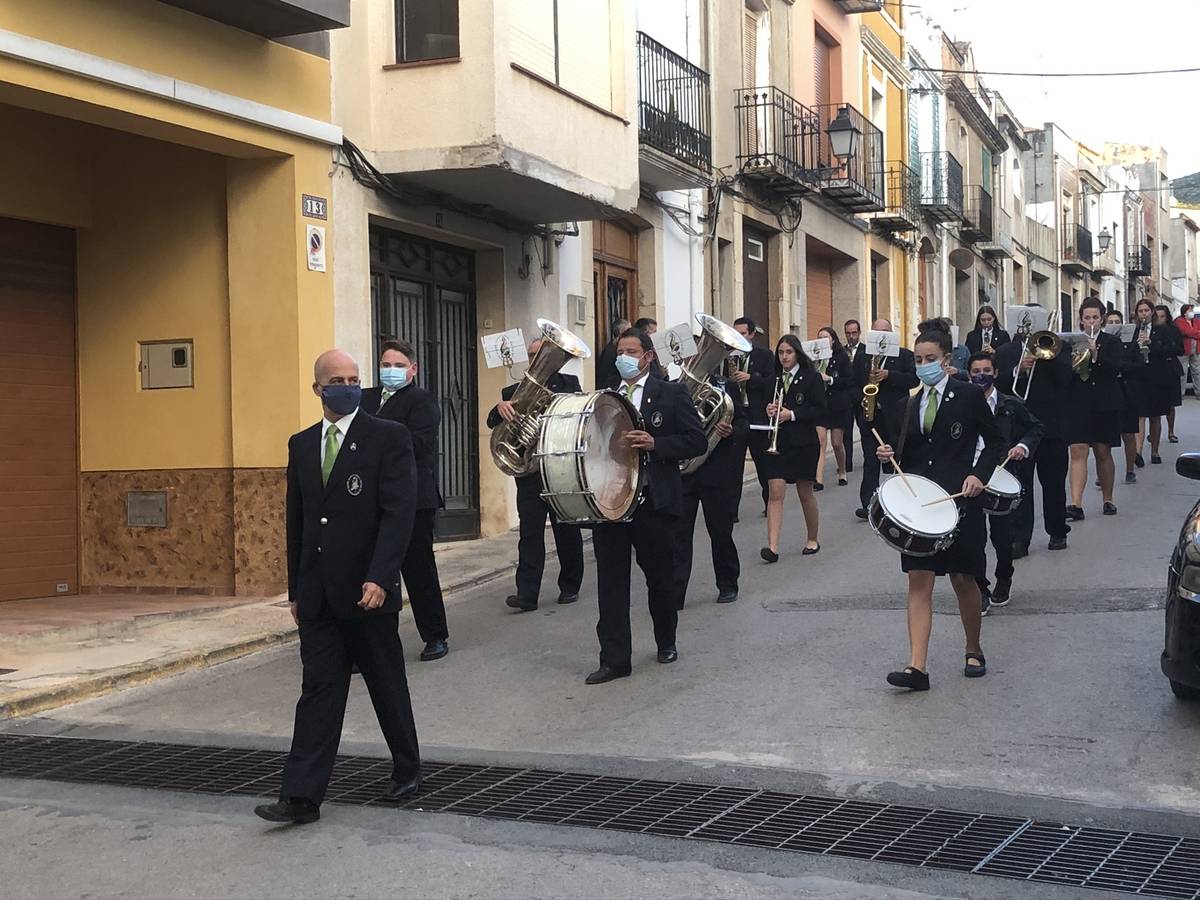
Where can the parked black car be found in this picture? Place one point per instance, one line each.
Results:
(1181, 653)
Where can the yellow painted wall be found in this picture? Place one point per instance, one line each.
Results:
(44, 173)
(169, 41)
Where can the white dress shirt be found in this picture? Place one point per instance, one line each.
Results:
(638, 389)
(343, 426)
(940, 387)
(992, 400)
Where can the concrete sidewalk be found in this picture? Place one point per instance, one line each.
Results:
(63, 650)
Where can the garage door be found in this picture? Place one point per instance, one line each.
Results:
(38, 468)
(820, 292)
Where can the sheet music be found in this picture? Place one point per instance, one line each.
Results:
(882, 343)
(504, 348)
(674, 345)
(821, 348)
(1124, 332)
(1025, 319)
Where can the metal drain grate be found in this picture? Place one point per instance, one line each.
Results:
(1001, 846)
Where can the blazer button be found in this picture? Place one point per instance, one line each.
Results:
(324, 521)
(318, 549)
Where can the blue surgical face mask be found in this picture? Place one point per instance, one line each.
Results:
(983, 379)
(394, 377)
(628, 366)
(342, 399)
(931, 373)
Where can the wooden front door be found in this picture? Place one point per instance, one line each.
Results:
(39, 469)
(819, 286)
(614, 277)
(756, 298)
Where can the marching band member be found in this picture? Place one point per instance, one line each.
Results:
(803, 404)
(853, 332)
(758, 378)
(532, 512)
(1129, 403)
(987, 336)
(1162, 319)
(895, 377)
(1093, 411)
(1021, 433)
(836, 374)
(1047, 395)
(717, 486)
(1152, 370)
(673, 433)
(938, 430)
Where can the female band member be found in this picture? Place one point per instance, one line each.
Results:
(803, 393)
(1151, 368)
(1162, 318)
(1093, 410)
(987, 336)
(835, 372)
(1128, 417)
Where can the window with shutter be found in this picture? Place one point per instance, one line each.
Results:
(985, 174)
(531, 26)
(584, 56)
(821, 56)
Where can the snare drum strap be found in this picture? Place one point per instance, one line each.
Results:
(913, 400)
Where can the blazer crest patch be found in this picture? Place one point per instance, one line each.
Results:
(354, 485)
(657, 419)
(956, 430)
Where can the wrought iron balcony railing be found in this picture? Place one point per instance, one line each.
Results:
(1137, 260)
(775, 146)
(854, 181)
(1077, 248)
(941, 186)
(977, 215)
(902, 210)
(674, 105)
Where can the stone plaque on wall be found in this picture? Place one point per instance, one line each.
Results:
(146, 509)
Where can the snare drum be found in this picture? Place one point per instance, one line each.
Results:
(1002, 494)
(590, 474)
(905, 524)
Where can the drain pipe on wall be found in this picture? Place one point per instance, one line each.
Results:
(695, 258)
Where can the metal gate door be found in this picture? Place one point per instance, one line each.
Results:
(424, 292)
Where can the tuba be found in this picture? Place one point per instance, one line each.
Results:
(513, 443)
(717, 341)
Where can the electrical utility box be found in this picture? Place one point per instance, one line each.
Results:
(166, 364)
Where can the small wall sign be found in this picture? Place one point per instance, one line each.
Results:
(146, 509)
(316, 248)
(314, 207)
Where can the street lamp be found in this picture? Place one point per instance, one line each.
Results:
(1104, 239)
(843, 136)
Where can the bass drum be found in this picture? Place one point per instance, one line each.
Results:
(590, 475)
(918, 525)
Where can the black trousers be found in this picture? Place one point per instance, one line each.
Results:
(1000, 528)
(848, 438)
(759, 441)
(531, 546)
(328, 646)
(1050, 463)
(719, 507)
(651, 537)
(870, 463)
(420, 575)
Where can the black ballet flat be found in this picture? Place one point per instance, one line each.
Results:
(842, 482)
(1156, 460)
(913, 679)
(1139, 461)
(817, 486)
(1173, 438)
(975, 671)
(809, 551)
(768, 555)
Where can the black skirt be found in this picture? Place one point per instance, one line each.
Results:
(1092, 427)
(965, 556)
(792, 464)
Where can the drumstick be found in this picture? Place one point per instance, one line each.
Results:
(944, 499)
(895, 464)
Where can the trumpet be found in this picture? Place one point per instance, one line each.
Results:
(778, 401)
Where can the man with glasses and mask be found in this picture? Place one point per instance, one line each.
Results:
(672, 433)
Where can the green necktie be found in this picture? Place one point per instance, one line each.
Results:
(1085, 367)
(629, 389)
(787, 381)
(384, 396)
(930, 412)
(331, 451)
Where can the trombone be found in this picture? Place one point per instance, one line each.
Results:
(778, 401)
(1041, 345)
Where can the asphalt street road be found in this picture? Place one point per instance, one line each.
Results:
(784, 688)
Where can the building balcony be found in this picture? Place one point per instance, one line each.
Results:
(272, 18)
(851, 7)
(1104, 263)
(1077, 249)
(674, 119)
(775, 149)
(902, 210)
(1137, 260)
(1001, 243)
(854, 182)
(977, 215)
(941, 186)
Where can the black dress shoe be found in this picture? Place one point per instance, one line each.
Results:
(296, 810)
(1020, 551)
(727, 596)
(398, 790)
(768, 555)
(1139, 461)
(1058, 543)
(861, 513)
(908, 677)
(1075, 514)
(1000, 594)
(604, 673)
(434, 650)
(842, 482)
(1110, 508)
(817, 486)
(520, 604)
(1156, 460)
(668, 656)
(809, 551)
(564, 599)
